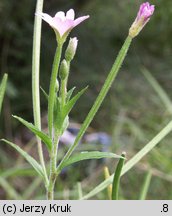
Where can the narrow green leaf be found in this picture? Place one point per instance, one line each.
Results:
(116, 179)
(30, 159)
(134, 160)
(67, 108)
(2, 89)
(88, 156)
(44, 137)
(69, 94)
(79, 187)
(145, 186)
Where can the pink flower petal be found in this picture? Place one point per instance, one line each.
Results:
(60, 15)
(61, 23)
(47, 18)
(62, 26)
(70, 14)
(80, 19)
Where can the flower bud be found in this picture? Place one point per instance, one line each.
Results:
(64, 69)
(145, 12)
(71, 49)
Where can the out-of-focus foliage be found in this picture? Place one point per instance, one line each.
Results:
(132, 112)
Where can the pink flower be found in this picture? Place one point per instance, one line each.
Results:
(143, 16)
(145, 12)
(61, 23)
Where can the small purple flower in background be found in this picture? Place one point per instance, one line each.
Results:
(145, 12)
(61, 23)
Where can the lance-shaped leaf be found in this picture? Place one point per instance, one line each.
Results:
(44, 137)
(69, 94)
(67, 108)
(30, 159)
(2, 89)
(87, 156)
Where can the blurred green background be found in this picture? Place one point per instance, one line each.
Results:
(132, 113)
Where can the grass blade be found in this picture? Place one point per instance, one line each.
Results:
(79, 187)
(2, 89)
(12, 193)
(146, 185)
(109, 188)
(158, 89)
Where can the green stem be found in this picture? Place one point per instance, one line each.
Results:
(116, 180)
(35, 80)
(53, 174)
(52, 92)
(108, 82)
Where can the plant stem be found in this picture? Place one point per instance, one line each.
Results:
(53, 174)
(116, 180)
(108, 82)
(52, 92)
(35, 80)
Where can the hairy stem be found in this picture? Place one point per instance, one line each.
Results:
(53, 174)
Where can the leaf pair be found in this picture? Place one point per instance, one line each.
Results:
(74, 159)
